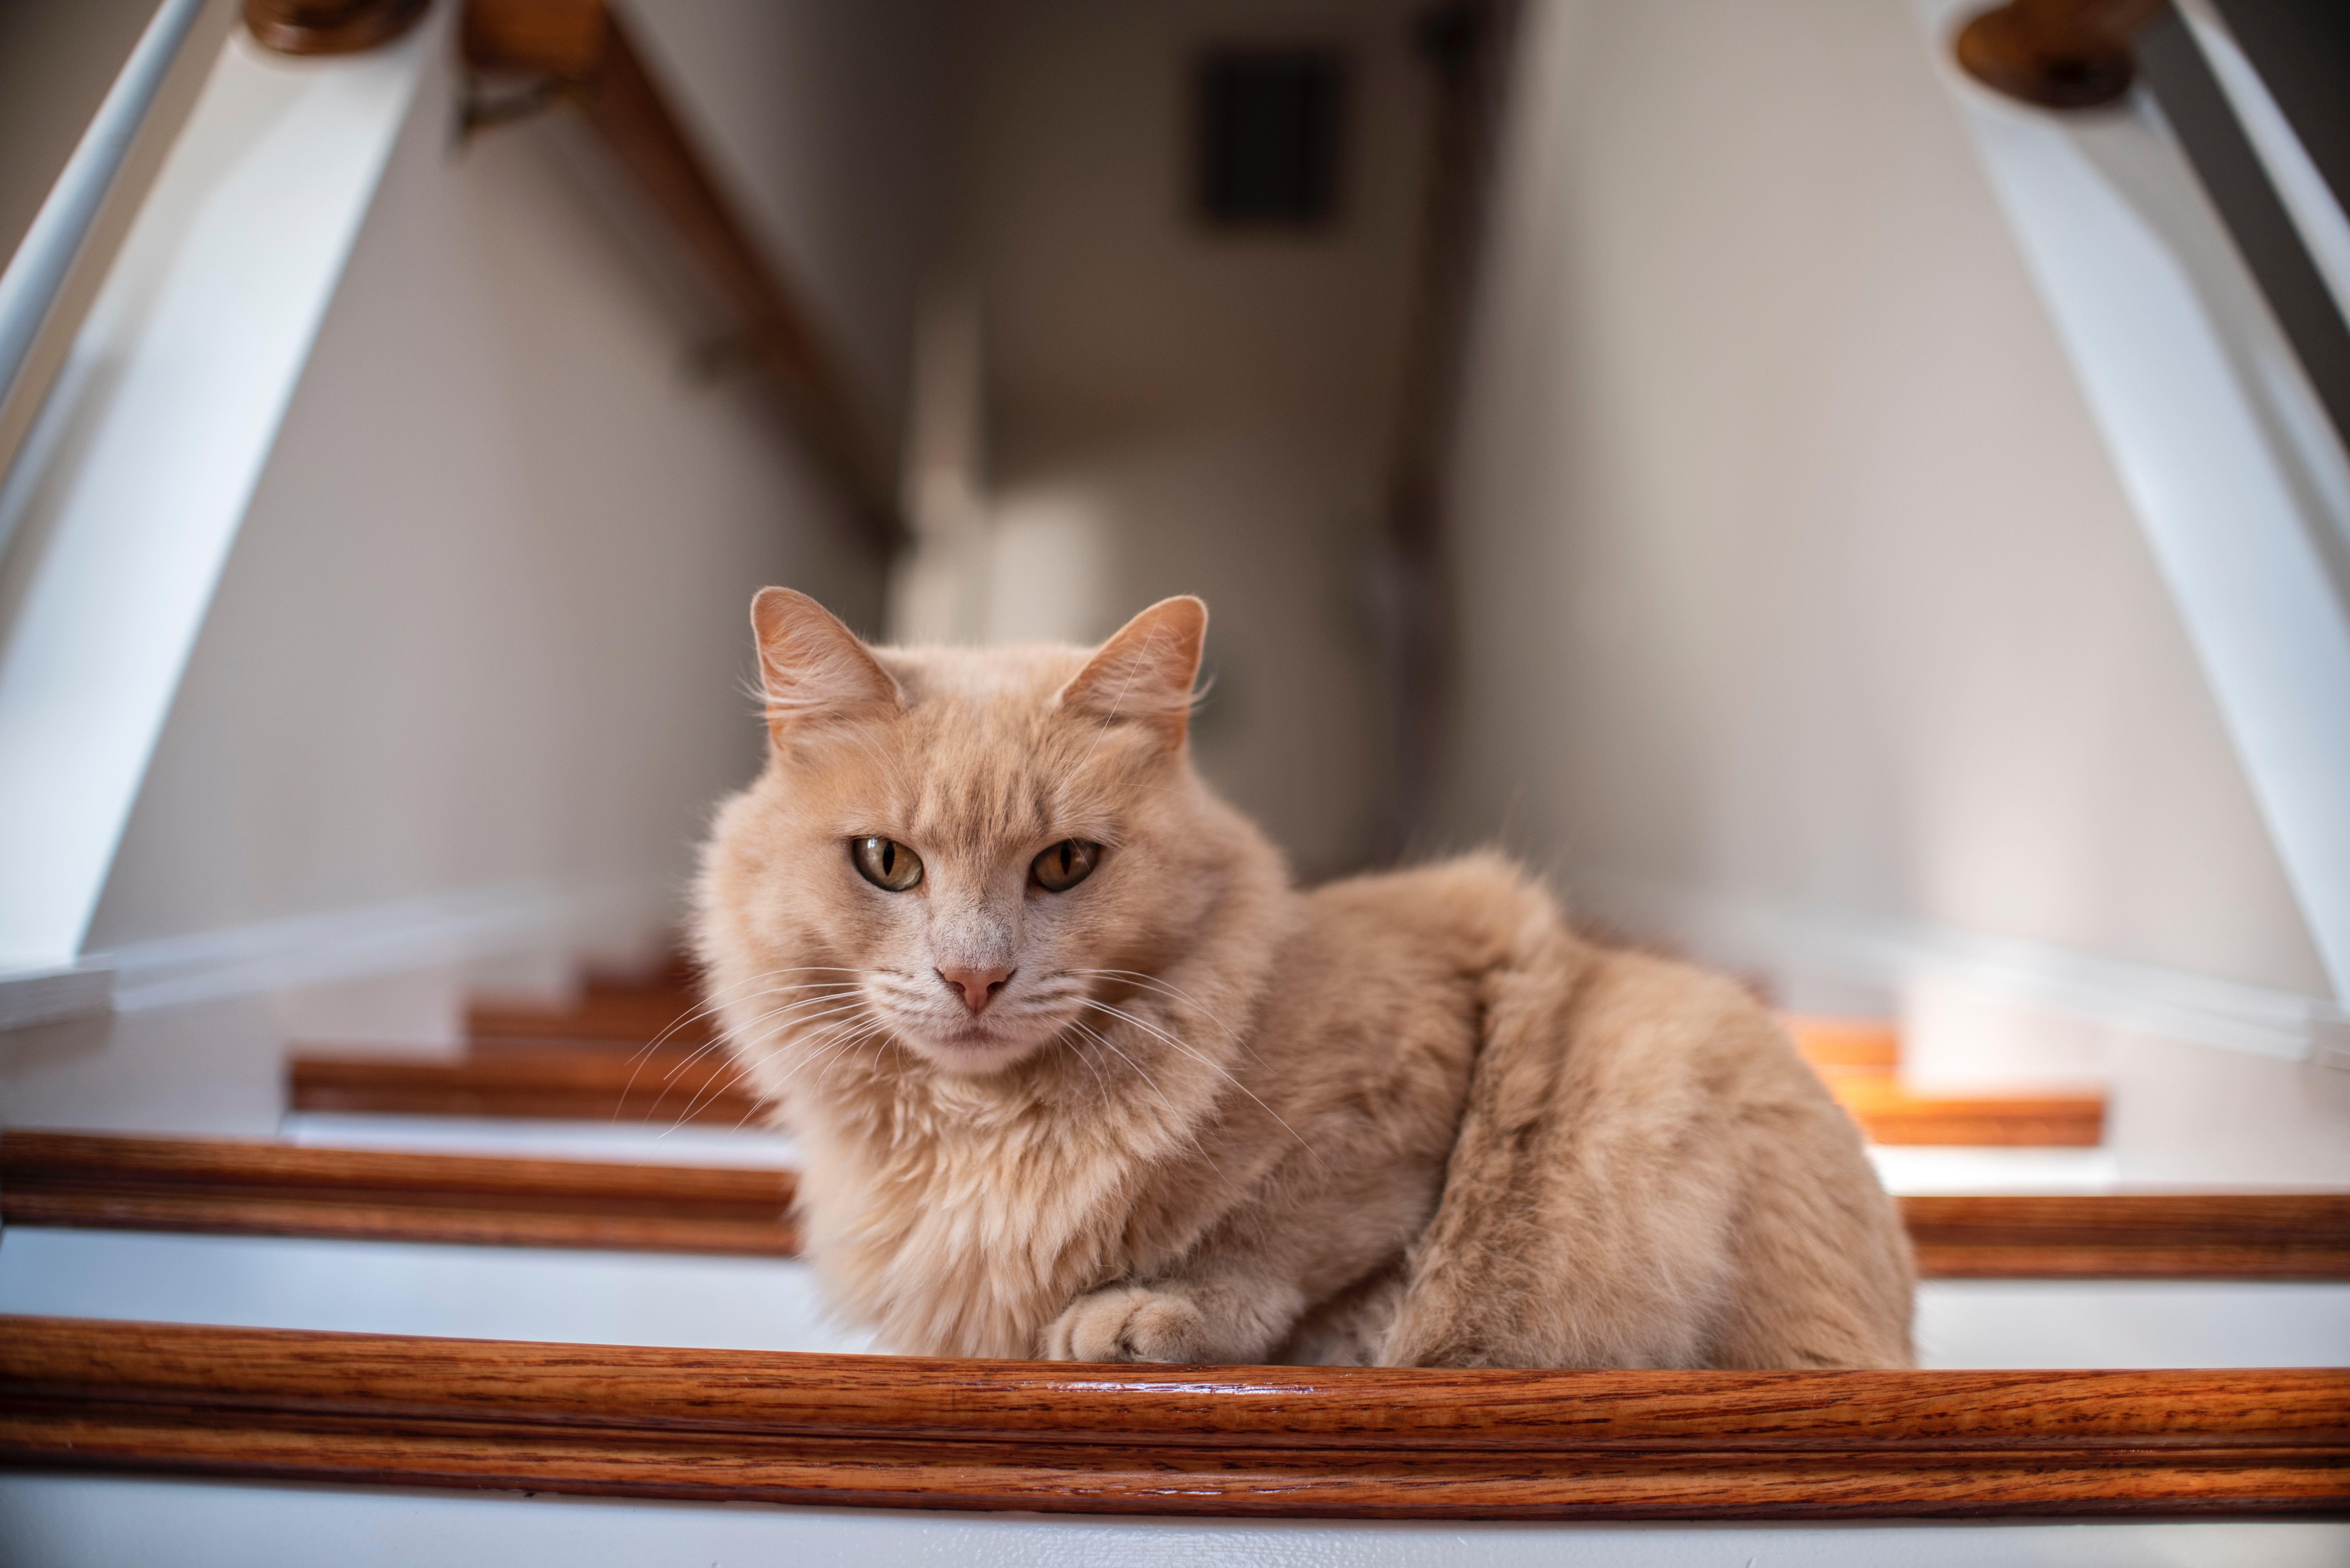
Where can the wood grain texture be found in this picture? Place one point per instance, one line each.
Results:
(558, 37)
(2133, 1235)
(1859, 1059)
(94, 1182)
(542, 1081)
(630, 1015)
(589, 1066)
(2056, 54)
(1889, 1114)
(1336, 1442)
(329, 27)
(1832, 1042)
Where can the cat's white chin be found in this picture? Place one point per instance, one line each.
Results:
(975, 1051)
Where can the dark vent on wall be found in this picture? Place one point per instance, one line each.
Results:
(1272, 133)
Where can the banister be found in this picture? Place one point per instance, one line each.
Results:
(329, 27)
(53, 276)
(588, 59)
(2058, 54)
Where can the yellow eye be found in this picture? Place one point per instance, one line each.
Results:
(885, 863)
(1065, 865)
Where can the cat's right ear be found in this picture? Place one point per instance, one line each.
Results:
(812, 668)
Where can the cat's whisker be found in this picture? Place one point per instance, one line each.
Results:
(760, 1024)
(1190, 1132)
(1140, 1072)
(829, 991)
(1100, 1083)
(1206, 1062)
(717, 1087)
(717, 1044)
(834, 1051)
(743, 1072)
(1154, 983)
(712, 1000)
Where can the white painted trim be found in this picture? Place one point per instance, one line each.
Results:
(58, 267)
(1885, 952)
(129, 493)
(386, 937)
(2307, 199)
(37, 271)
(2217, 437)
(80, 990)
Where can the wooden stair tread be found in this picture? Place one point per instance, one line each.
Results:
(665, 1084)
(1363, 1442)
(100, 1181)
(97, 1182)
(636, 1015)
(1844, 1042)
(579, 1081)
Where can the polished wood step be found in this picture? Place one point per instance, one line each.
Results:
(1291, 1441)
(589, 1079)
(1859, 1059)
(93, 1181)
(543, 1081)
(104, 1182)
(604, 1011)
(1891, 1115)
(2132, 1235)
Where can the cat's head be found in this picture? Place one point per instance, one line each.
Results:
(961, 850)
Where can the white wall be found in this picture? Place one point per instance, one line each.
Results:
(1796, 575)
(1194, 412)
(485, 623)
(822, 121)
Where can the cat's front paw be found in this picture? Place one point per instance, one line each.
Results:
(1128, 1322)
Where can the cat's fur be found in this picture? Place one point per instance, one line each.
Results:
(1408, 1119)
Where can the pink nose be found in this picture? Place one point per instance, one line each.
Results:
(977, 986)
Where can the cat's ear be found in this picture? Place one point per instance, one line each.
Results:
(1145, 673)
(812, 668)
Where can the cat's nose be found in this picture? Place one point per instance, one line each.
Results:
(977, 986)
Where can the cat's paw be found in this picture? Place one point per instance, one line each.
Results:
(1128, 1322)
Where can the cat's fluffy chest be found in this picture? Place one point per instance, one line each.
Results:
(960, 1230)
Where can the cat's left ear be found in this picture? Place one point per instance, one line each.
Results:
(1145, 673)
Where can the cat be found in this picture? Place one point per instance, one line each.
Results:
(1076, 1074)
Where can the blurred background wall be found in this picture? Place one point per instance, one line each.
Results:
(1791, 585)
(1795, 568)
(485, 627)
(1172, 406)
(1796, 584)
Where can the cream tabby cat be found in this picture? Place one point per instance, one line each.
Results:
(1078, 1073)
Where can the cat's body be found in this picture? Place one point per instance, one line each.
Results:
(1176, 1110)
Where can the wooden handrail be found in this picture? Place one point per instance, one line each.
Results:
(93, 1181)
(329, 27)
(2058, 54)
(587, 57)
(1321, 1442)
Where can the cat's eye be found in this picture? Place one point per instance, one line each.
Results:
(885, 863)
(1065, 865)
